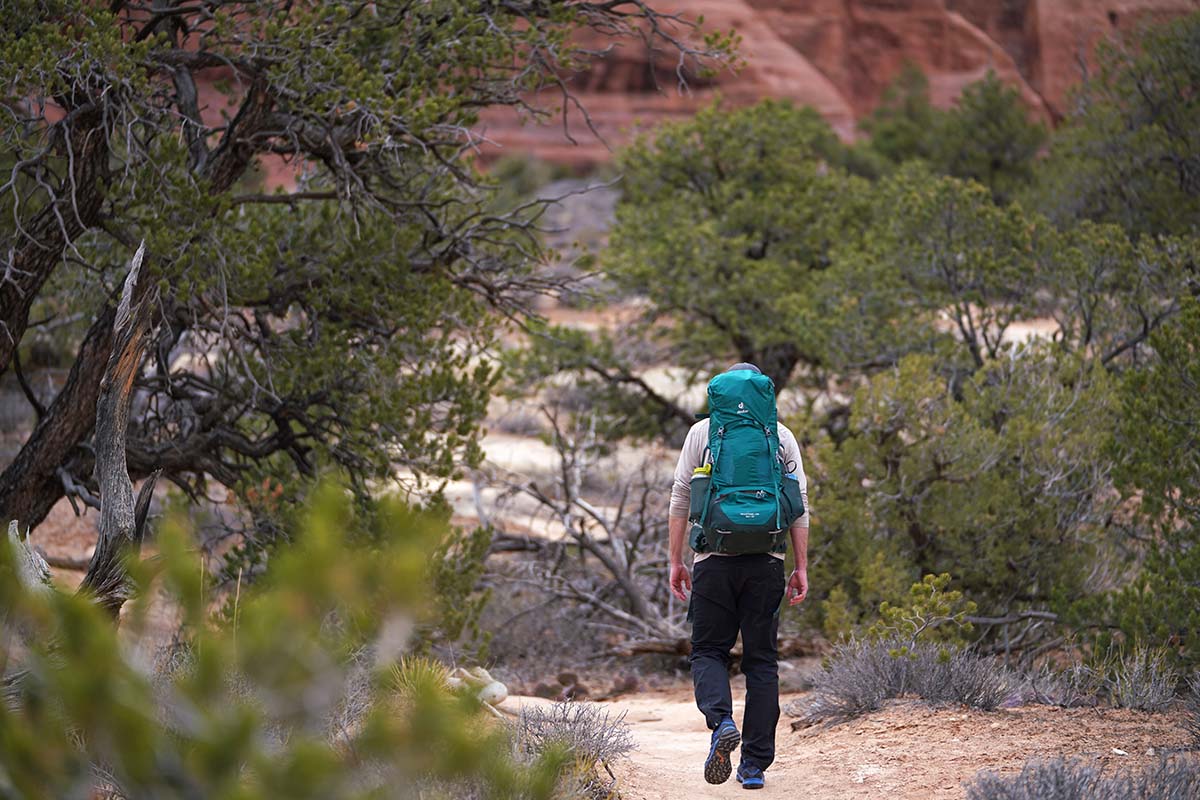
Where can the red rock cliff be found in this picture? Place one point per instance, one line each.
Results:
(837, 56)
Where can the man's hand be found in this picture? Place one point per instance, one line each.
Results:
(797, 587)
(681, 580)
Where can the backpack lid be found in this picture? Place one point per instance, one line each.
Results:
(742, 394)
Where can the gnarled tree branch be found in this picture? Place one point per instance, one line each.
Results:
(122, 521)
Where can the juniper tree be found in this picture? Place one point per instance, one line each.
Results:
(1130, 151)
(338, 324)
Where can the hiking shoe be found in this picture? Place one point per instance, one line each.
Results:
(750, 777)
(724, 739)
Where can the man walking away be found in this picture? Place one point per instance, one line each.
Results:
(740, 489)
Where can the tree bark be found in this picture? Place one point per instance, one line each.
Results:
(38, 248)
(122, 520)
(31, 485)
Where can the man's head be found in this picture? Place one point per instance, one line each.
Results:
(744, 365)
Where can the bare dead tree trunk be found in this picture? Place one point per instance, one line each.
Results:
(122, 520)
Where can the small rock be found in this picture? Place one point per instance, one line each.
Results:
(568, 678)
(1149, 751)
(1119, 752)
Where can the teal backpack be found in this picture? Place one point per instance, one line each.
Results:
(741, 501)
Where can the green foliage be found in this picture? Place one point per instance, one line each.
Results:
(414, 676)
(1130, 154)
(1110, 291)
(986, 137)
(901, 128)
(954, 250)
(456, 568)
(1000, 477)
(728, 225)
(931, 614)
(340, 326)
(280, 702)
(1158, 457)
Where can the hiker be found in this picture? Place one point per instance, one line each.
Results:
(739, 494)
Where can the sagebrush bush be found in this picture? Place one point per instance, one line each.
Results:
(593, 738)
(1142, 679)
(860, 675)
(1169, 778)
(1191, 709)
(961, 677)
(1077, 685)
(586, 731)
(1041, 780)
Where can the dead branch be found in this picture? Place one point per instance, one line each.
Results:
(122, 521)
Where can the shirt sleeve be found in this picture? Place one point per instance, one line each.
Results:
(793, 462)
(690, 457)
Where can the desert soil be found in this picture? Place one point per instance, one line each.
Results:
(906, 751)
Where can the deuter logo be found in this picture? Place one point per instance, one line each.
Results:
(742, 408)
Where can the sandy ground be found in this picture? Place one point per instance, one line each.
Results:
(905, 752)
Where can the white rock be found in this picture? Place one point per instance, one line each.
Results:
(494, 693)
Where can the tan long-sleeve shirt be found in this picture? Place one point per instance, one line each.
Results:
(694, 455)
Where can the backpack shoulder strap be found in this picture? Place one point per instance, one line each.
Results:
(715, 438)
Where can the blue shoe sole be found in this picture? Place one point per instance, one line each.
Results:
(750, 783)
(718, 766)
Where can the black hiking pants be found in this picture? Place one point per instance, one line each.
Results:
(732, 594)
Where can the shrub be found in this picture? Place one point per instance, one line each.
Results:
(931, 614)
(294, 697)
(1039, 780)
(593, 738)
(1191, 709)
(860, 675)
(960, 677)
(1168, 779)
(585, 730)
(1075, 686)
(1143, 680)
(1059, 779)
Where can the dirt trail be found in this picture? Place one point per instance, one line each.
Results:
(904, 752)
